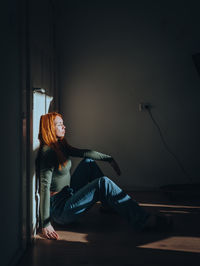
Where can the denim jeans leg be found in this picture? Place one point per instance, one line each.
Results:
(86, 171)
(108, 193)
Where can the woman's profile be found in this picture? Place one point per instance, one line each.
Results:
(64, 197)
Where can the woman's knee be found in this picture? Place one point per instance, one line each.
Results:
(108, 184)
(104, 180)
(92, 167)
(87, 160)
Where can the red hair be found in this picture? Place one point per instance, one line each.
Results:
(47, 136)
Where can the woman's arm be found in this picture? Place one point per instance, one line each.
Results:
(46, 165)
(115, 166)
(45, 183)
(86, 153)
(95, 155)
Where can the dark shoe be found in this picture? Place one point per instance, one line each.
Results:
(159, 223)
(107, 210)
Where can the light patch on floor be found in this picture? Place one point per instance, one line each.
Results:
(176, 243)
(69, 236)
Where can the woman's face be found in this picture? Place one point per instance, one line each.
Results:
(59, 127)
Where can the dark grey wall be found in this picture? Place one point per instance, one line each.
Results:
(116, 54)
(10, 133)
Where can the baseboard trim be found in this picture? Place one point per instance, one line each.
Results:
(140, 188)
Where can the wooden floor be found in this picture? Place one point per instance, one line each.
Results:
(106, 239)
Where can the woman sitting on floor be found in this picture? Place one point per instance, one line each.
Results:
(63, 198)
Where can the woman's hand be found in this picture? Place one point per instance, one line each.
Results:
(115, 166)
(49, 232)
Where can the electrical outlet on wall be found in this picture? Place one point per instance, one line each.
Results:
(144, 106)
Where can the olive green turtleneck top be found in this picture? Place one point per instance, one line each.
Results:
(54, 179)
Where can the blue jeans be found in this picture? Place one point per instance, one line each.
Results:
(89, 185)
